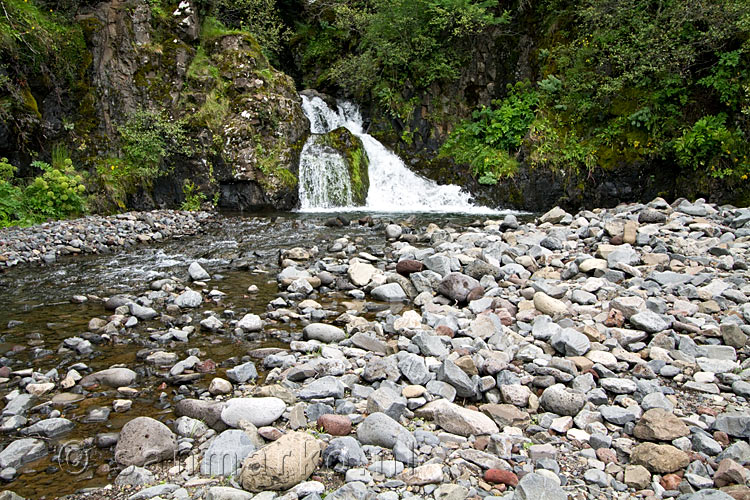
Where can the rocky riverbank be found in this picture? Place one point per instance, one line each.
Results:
(602, 354)
(44, 243)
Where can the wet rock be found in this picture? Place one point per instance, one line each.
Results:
(197, 273)
(50, 427)
(282, 464)
(22, 451)
(189, 299)
(250, 323)
(112, 377)
(144, 441)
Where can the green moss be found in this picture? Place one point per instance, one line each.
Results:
(29, 101)
(356, 160)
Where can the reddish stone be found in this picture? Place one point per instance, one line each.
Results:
(207, 366)
(408, 266)
(707, 410)
(499, 476)
(670, 481)
(616, 240)
(445, 330)
(722, 438)
(505, 317)
(606, 455)
(4, 371)
(615, 319)
(270, 433)
(335, 425)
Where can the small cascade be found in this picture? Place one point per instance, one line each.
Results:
(325, 182)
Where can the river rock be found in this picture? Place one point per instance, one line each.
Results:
(570, 342)
(390, 292)
(22, 451)
(659, 458)
(282, 464)
(227, 493)
(323, 332)
(226, 453)
(535, 486)
(205, 411)
(381, 430)
(242, 373)
(360, 273)
(456, 286)
(659, 424)
(112, 377)
(250, 323)
(457, 419)
(197, 273)
(424, 474)
(144, 441)
(344, 452)
(324, 387)
(134, 476)
(257, 411)
(49, 427)
(561, 400)
(189, 299)
(548, 305)
(735, 424)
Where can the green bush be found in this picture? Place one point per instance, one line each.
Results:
(710, 145)
(57, 193)
(489, 141)
(149, 139)
(258, 17)
(194, 199)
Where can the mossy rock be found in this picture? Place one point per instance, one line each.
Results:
(355, 157)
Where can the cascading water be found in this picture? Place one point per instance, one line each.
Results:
(325, 182)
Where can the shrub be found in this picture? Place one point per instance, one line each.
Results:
(149, 138)
(57, 193)
(709, 144)
(491, 139)
(194, 199)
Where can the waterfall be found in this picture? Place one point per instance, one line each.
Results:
(324, 179)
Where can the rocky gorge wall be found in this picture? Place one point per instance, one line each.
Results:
(242, 120)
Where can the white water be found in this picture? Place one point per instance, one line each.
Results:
(393, 187)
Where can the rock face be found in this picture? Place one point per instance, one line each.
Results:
(144, 441)
(282, 464)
